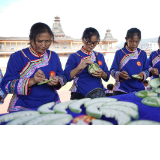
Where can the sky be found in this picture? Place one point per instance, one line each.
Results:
(17, 16)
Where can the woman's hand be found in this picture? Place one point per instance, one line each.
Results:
(39, 76)
(54, 82)
(124, 75)
(0, 98)
(100, 73)
(154, 71)
(84, 63)
(141, 75)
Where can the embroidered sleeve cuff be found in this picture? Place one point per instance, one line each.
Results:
(62, 80)
(3, 95)
(22, 87)
(145, 75)
(116, 74)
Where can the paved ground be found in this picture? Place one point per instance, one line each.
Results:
(64, 96)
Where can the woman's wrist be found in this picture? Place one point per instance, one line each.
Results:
(31, 82)
(79, 68)
(75, 71)
(104, 75)
(57, 85)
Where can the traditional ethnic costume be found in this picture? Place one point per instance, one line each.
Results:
(154, 62)
(83, 81)
(22, 66)
(2, 94)
(133, 62)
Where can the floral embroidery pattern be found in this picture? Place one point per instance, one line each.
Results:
(115, 74)
(12, 102)
(33, 65)
(126, 58)
(22, 86)
(86, 52)
(13, 83)
(146, 74)
(155, 60)
(116, 87)
(73, 87)
(7, 87)
(62, 80)
(34, 52)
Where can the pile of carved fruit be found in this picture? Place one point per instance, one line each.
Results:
(50, 114)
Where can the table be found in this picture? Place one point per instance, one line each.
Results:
(145, 112)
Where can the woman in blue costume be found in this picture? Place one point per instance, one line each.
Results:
(128, 61)
(30, 66)
(2, 94)
(154, 62)
(77, 66)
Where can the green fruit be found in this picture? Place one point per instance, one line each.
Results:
(45, 81)
(122, 103)
(75, 106)
(14, 115)
(93, 111)
(136, 76)
(93, 68)
(99, 100)
(100, 122)
(121, 117)
(61, 107)
(46, 118)
(143, 122)
(61, 121)
(45, 108)
(131, 112)
(23, 120)
(144, 93)
(151, 101)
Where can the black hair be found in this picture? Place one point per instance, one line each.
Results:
(89, 32)
(145, 81)
(110, 86)
(38, 28)
(132, 32)
(159, 39)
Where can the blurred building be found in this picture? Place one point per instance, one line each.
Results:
(64, 45)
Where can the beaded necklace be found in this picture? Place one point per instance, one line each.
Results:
(34, 52)
(35, 60)
(130, 50)
(86, 52)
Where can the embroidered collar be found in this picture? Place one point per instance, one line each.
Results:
(86, 52)
(128, 49)
(34, 52)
